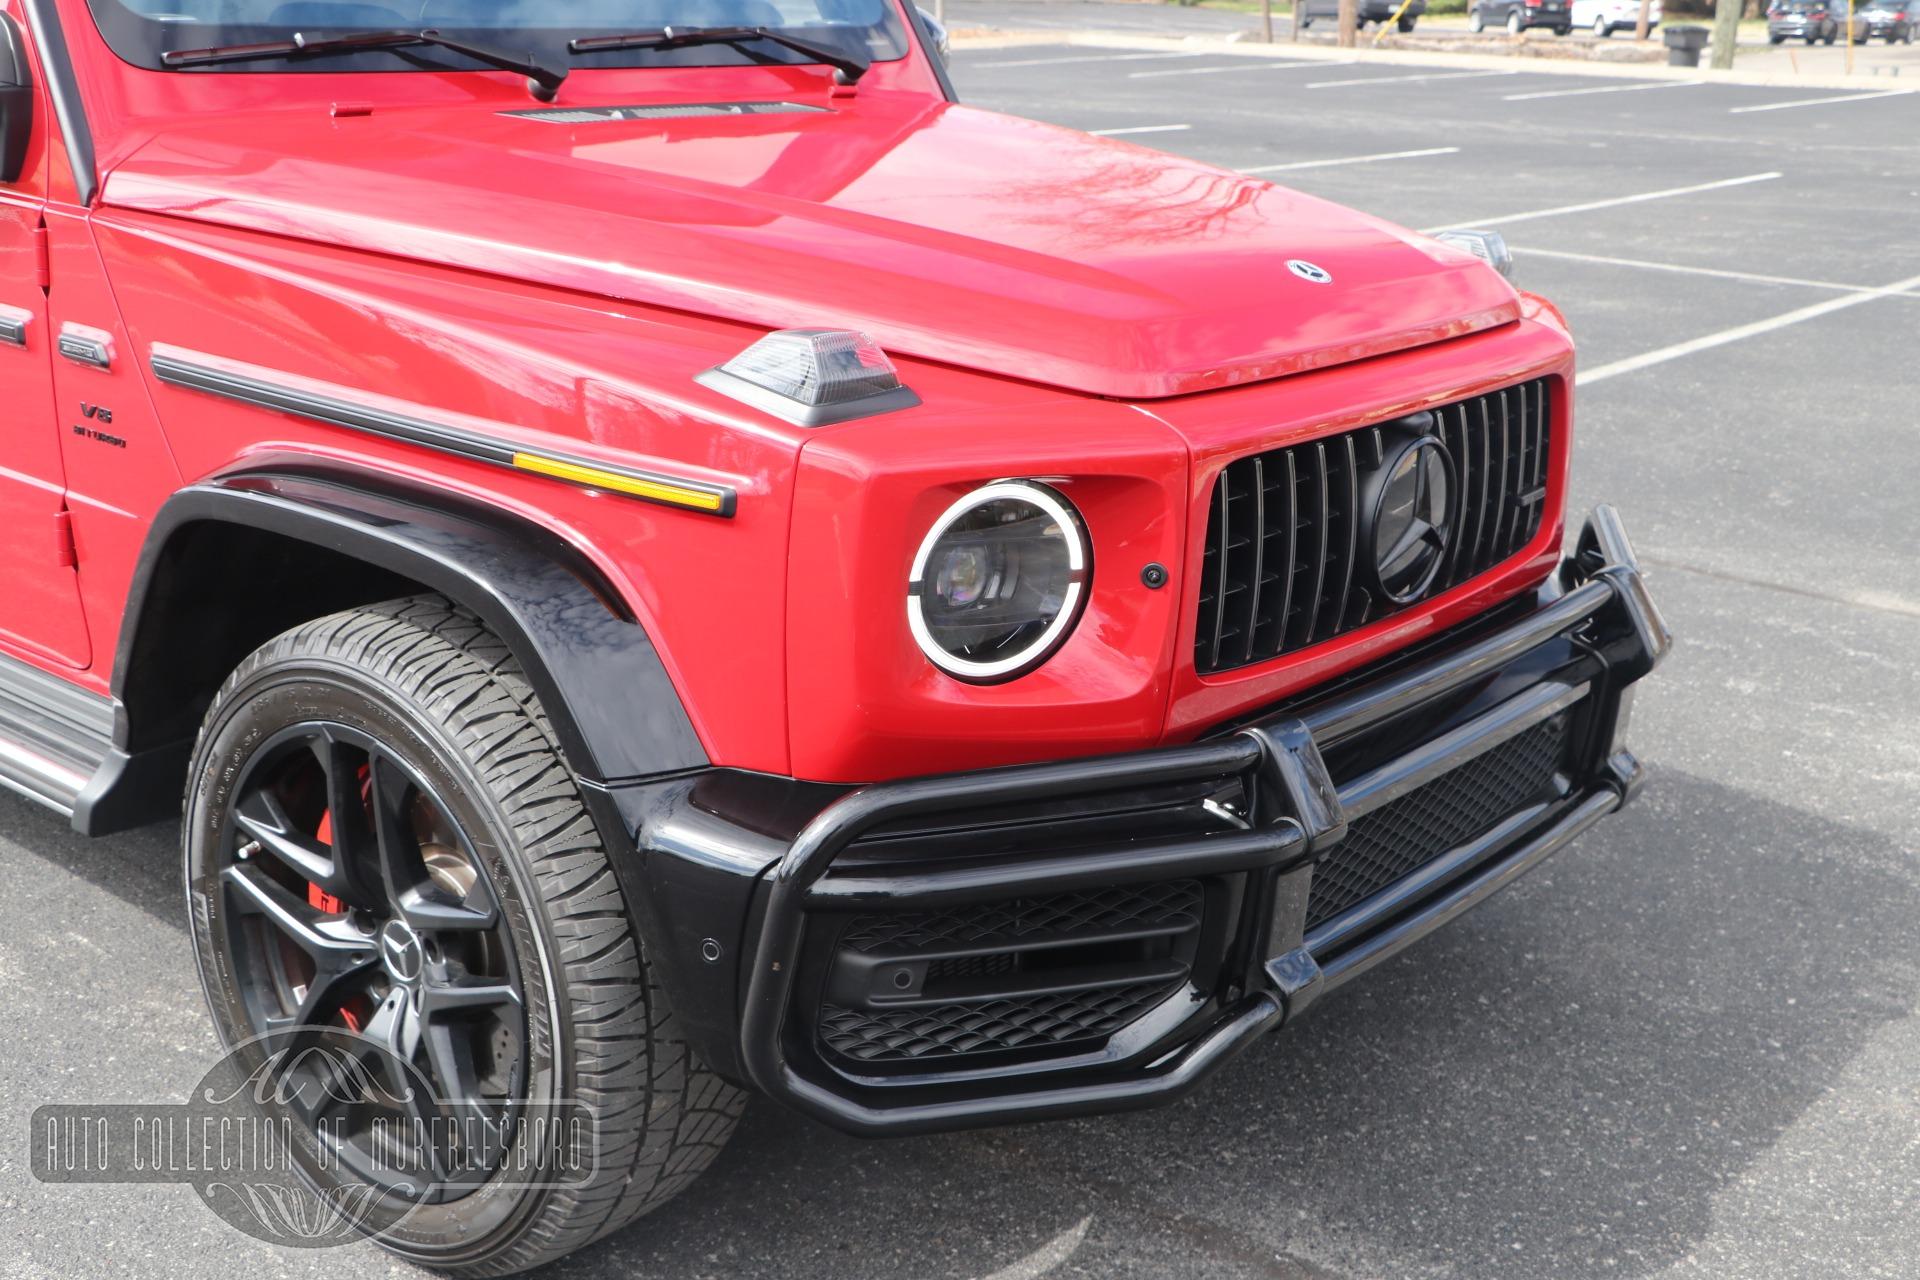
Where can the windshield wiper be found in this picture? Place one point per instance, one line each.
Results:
(851, 66)
(544, 81)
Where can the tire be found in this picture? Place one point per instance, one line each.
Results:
(1515, 23)
(1305, 22)
(1476, 21)
(1602, 28)
(1406, 26)
(1776, 39)
(1813, 38)
(1563, 31)
(453, 742)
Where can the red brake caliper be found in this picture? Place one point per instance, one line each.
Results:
(320, 900)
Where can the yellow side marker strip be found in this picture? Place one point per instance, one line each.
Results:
(675, 495)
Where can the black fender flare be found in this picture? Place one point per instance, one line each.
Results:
(606, 691)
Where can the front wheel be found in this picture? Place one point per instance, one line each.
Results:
(1602, 28)
(1514, 24)
(1406, 26)
(384, 845)
(1476, 22)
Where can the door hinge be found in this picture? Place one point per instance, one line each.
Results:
(65, 553)
(42, 264)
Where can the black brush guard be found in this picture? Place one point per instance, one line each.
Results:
(1297, 813)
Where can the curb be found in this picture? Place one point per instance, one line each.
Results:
(993, 38)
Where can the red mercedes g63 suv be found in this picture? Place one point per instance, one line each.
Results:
(669, 560)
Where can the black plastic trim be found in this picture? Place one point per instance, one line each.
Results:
(925, 40)
(183, 371)
(598, 675)
(64, 90)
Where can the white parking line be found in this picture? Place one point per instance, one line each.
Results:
(1611, 88)
(1140, 128)
(1740, 333)
(1819, 102)
(1717, 272)
(1084, 57)
(1276, 64)
(1531, 214)
(1328, 164)
(1433, 75)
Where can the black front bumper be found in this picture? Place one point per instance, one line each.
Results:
(1047, 901)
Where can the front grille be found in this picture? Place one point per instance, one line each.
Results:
(1282, 565)
(947, 1030)
(1404, 835)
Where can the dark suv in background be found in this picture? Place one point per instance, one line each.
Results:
(1381, 11)
(1809, 20)
(1517, 15)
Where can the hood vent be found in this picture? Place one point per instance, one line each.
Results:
(667, 111)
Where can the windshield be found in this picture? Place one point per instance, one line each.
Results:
(140, 31)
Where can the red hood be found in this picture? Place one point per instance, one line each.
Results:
(948, 233)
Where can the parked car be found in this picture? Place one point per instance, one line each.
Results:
(1382, 11)
(1809, 20)
(1518, 15)
(673, 564)
(1604, 17)
(1891, 20)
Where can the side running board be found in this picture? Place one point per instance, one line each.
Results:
(53, 736)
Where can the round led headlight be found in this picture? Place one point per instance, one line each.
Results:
(999, 581)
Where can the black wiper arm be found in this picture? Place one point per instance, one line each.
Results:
(851, 66)
(545, 80)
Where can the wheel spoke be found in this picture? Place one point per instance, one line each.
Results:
(458, 1086)
(414, 896)
(264, 819)
(331, 940)
(352, 837)
(396, 1027)
(466, 995)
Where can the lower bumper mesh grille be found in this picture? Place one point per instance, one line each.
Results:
(1029, 974)
(1399, 838)
(1031, 1022)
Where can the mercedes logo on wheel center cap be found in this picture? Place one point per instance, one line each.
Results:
(1309, 271)
(400, 951)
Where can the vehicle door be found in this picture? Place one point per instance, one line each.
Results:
(40, 610)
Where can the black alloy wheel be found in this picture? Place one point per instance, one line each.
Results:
(355, 901)
(384, 848)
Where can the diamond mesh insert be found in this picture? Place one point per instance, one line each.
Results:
(1399, 838)
(1033, 1022)
(1173, 905)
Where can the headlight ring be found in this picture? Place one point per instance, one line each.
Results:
(999, 581)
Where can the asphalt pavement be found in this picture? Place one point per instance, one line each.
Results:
(1686, 1047)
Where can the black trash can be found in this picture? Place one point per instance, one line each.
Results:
(1684, 45)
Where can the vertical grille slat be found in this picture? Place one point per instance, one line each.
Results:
(1281, 566)
(1259, 556)
(1343, 602)
(1317, 570)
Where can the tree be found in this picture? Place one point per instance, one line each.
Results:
(1645, 23)
(1349, 23)
(1726, 29)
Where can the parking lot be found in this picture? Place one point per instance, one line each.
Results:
(1684, 1048)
